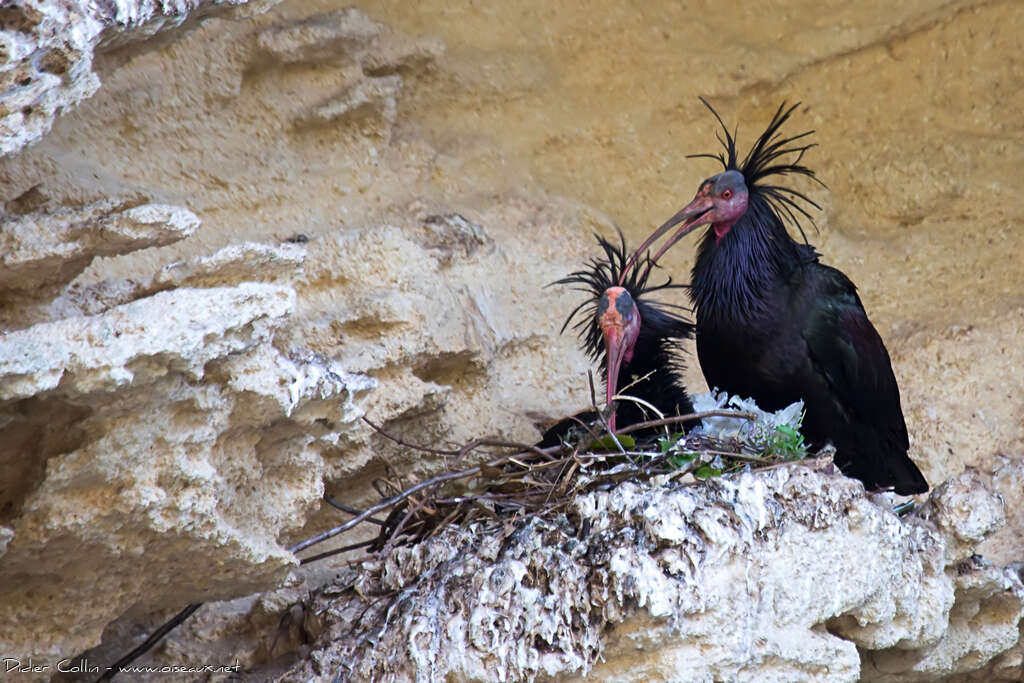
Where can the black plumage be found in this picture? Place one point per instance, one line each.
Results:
(654, 370)
(777, 325)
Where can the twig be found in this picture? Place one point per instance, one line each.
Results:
(643, 404)
(398, 528)
(447, 520)
(682, 471)
(350, 510)
(687, 418)
(148, 643)
(464, 450)
(735, 456)
(600, 416)
(337, 551)
(523, 447)
(389, 502)
(565, 476)
(400, 442)
(636, 381)
(593, 392)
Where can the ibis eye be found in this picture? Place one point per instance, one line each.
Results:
(727, 194)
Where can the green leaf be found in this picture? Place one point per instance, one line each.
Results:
(606, 443)
(679, 459)
(788, 431)
(667, 444)
(706, 472)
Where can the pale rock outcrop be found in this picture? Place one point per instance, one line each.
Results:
(150, 425)
(781, 575)
(246, 262)
(415, 183)
(350, 37)
(367, 99)
(46, 53)
(165, 436)
(370, 56)
(134, 344)
(42, 250)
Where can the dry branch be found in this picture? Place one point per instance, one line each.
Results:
(528, 479)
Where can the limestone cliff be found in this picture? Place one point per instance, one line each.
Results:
(229, 229)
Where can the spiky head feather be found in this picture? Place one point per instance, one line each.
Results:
(765, 159)
(614, 270)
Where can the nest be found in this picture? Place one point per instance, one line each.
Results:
(516, 479)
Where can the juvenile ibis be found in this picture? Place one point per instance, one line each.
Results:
(634, 337)
(777, 325)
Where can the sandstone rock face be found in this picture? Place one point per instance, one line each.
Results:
(166, 419)
(129, 435)
(46, 249)
(228, 230)
(180, 414)
(46, 54)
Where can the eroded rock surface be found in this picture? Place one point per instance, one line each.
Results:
(377, 187)
(46, 54)
(42, 250)
(783, 575)
(167, 427)
(130, 434)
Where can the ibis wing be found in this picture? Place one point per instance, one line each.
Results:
(849, 353)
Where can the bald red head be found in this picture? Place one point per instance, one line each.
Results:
(619, 320)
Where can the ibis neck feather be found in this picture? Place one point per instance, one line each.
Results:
(741, 266)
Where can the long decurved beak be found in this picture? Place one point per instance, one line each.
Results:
(620, 336)
(614, 343)
(691, 216)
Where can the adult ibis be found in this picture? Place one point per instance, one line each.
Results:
(635, 337)
(776, 324)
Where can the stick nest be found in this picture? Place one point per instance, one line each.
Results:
(519, 480)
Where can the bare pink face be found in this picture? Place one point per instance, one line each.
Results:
(721, 200)
(619, 319)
